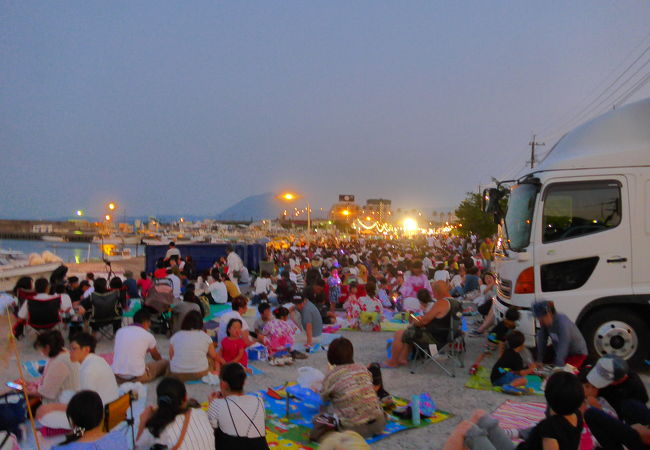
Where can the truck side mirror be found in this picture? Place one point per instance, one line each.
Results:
(490, 203)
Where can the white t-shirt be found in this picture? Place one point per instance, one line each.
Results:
(176, 285)
(227, 414)
(66, 304)
(235, 264)
(172, 251)
(96, 375)
(219, 292)
(223, 323)
(262, 285)
(190, 351)
(199, 435)
(131, 346)
(441, 275)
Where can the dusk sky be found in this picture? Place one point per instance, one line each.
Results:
(188, 107)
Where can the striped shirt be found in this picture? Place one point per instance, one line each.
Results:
(353, 397)
(199, 435)
(238, 415)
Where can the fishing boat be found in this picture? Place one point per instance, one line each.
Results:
(51, 238)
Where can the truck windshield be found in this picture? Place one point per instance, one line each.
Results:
(519, 217)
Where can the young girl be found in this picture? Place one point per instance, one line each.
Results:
(278, 334)
(368, 312)
(233, 347)
(334, 283)
(351, 299)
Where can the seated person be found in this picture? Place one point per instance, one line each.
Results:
(568, 346)
(431, 328)
(496, 338)
(132, 343)
(264, 317)
(561, 429)
(191, 351)
(233, 346)
(190, 303)
(351, 299)
(510, 371)
(278, 336)
(85, 414)
(239, 308)
(41, 287)
(367, 313)
(311, 320)
(103, 306)
(349, 388)
(238, 419)
(95, 374)
(59, 382)
(162, 425)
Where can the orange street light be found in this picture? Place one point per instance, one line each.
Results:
(107, 217)
(288, 196)
(111, 206)
(345, 212)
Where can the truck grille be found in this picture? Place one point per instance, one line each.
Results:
(504, 288)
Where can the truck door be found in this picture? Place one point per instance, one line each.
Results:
(584, 250)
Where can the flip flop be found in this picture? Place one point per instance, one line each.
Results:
(383, 365)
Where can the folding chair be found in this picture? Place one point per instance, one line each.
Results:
(455, 347)
(117, 412)
(43, 314)
(105, 312)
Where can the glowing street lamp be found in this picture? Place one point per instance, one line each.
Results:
(289, 197)
(345, 212)
(111, 206)
(79, 213)
(107, 217)
(410, 225)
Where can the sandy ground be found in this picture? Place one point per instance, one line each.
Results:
(448, 393)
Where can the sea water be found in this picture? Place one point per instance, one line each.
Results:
(70, 252)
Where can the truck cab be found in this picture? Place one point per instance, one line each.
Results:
(577, 231)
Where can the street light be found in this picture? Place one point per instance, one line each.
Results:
(107, 217)
(111, 206)
(80, 213)
(289, 197)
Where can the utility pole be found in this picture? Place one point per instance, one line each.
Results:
(533, 144)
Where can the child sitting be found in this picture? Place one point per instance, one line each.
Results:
(378, 383)
(233, 347)
(264, 316)
(496, 338)
(368, 312)
(278, 337)
(510, 372)
(351, 298)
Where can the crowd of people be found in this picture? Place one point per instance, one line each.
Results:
(311, 286)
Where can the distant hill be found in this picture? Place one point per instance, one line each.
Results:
(255, 207)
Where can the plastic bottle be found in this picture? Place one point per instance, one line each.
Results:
(415, 409)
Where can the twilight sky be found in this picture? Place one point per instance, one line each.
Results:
(187, 107)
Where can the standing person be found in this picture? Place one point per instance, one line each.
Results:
(238, 419)
(131, 285)
(235, 264)
(85, 414)
(568, 346)
(349, 388)
(132, 343)
(144, 283)
(191, 351)
(172, 251)
(311, 320)
(486, 249)
(94, 372)
(172, 423)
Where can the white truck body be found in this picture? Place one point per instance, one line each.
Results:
(580, 224)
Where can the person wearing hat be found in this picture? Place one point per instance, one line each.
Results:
(567, 343)
(625, 392)
(622, 388)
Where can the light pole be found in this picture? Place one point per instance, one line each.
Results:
(289, 197)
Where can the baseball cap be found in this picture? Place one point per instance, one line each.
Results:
(541, 308)
(608, 369)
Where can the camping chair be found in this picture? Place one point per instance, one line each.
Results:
(117, 412)
(105, 312)
(43, 314)
(455, 347)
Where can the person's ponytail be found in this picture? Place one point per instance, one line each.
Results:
(171, 395)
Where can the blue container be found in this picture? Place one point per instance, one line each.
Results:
(415, 409)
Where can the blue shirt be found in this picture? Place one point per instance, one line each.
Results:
(114, 440)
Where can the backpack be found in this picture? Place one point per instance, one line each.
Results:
(13, 412)
(161, 295)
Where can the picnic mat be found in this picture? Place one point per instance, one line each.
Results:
(481, 381)
(521, 415)
(294, 434)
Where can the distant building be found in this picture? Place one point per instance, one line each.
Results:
(378, 208)
(345, 210)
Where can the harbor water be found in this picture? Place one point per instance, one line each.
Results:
(70, 252)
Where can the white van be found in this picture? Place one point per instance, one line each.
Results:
(577, 231)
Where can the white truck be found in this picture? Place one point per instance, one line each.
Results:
(577, 231)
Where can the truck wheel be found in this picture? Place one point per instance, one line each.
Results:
(617, 332)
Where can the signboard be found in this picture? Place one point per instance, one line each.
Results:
(346, 198)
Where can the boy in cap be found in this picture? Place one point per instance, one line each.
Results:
(622, 388)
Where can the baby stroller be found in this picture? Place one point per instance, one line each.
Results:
(158, 302)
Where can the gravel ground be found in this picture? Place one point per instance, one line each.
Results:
(448, 393)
